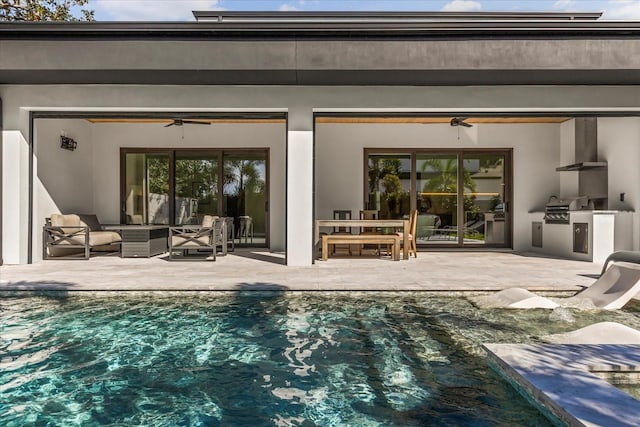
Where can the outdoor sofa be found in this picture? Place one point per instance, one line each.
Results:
(71, 236)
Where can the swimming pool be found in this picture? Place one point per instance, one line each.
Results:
(327, 359)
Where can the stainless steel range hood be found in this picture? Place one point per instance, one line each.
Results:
(586, 146)
(582, 166)
(592, 174)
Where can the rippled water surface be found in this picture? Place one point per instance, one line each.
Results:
(358, 359)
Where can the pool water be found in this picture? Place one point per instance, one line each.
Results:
(281, 359)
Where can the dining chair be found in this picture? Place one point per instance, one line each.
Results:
(370, 214)
(341, 214)
(413, 221)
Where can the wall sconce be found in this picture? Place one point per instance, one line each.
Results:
(68, 143)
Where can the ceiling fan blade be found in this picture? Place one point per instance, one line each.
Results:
(195, 122)
(460, 121)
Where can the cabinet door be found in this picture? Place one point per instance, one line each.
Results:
(581, 237)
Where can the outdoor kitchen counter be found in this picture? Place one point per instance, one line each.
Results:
(591, 235)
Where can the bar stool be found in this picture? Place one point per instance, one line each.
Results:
(246, 229)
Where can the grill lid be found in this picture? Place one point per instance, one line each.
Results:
(570, 203)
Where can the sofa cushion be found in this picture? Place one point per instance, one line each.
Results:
(65, 220)
(100, 238)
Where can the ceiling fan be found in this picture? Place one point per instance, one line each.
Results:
(180, 122)
(460, 121)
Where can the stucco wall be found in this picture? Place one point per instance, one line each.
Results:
(64, 178)
(619, 145)
(15, 190)
(300, 102)
(340, 151)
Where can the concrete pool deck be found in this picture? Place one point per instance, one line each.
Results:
(260, 270)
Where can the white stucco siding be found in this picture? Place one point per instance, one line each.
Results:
(619, 145)
(340, 161)
(299, 198)
(15, 197)
(530, 163)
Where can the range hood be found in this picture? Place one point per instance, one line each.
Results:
(586, 146)
(582, 166)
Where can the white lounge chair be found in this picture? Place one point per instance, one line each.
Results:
(611, 291)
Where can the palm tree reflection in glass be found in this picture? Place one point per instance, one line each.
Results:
(244, 190)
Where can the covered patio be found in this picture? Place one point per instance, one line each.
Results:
(250, 269)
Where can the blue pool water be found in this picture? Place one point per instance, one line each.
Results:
(235, 359)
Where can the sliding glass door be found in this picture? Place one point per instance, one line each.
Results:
(245, 194)
(145, 196)
(181, 186)
(462, 196)
(389, 185)
(196, 186)
(484, 199)
(437, 198)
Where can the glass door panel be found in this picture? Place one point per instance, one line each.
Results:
(146, 189)
(437, 199)
(484, 199)
(196, 186)
(389, 185)
(245, 195)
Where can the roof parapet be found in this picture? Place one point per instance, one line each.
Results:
(387, 17)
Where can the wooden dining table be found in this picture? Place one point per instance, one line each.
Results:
(400, 224)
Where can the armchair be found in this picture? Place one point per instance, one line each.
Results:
(202, 238)
(74, 236)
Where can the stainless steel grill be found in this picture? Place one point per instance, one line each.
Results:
(557, 211)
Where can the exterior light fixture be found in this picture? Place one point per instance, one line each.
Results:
(68, 143)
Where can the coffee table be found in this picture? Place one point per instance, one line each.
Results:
(141, 241)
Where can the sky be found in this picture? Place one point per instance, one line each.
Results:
(180, 10)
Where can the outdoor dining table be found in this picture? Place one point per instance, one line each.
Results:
(402, 224)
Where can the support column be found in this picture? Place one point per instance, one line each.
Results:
(300, 198)
(15, 197)
(300, 189)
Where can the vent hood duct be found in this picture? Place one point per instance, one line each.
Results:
(586, 146)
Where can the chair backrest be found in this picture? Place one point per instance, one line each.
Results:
(614, 288)
(67, 220)
(369, 214)
(413, 222)
(208, 221)
(91, 221)
(342, 215)
(135, 219)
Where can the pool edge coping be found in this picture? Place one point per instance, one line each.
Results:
(558, 379)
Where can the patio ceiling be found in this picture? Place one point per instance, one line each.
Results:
(195, 119)
(398, 120)
(440, 120)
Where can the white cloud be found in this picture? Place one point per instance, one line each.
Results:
(622, 9)
(288, 8)
(462, 6)
(564, 4)
(150, 10)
